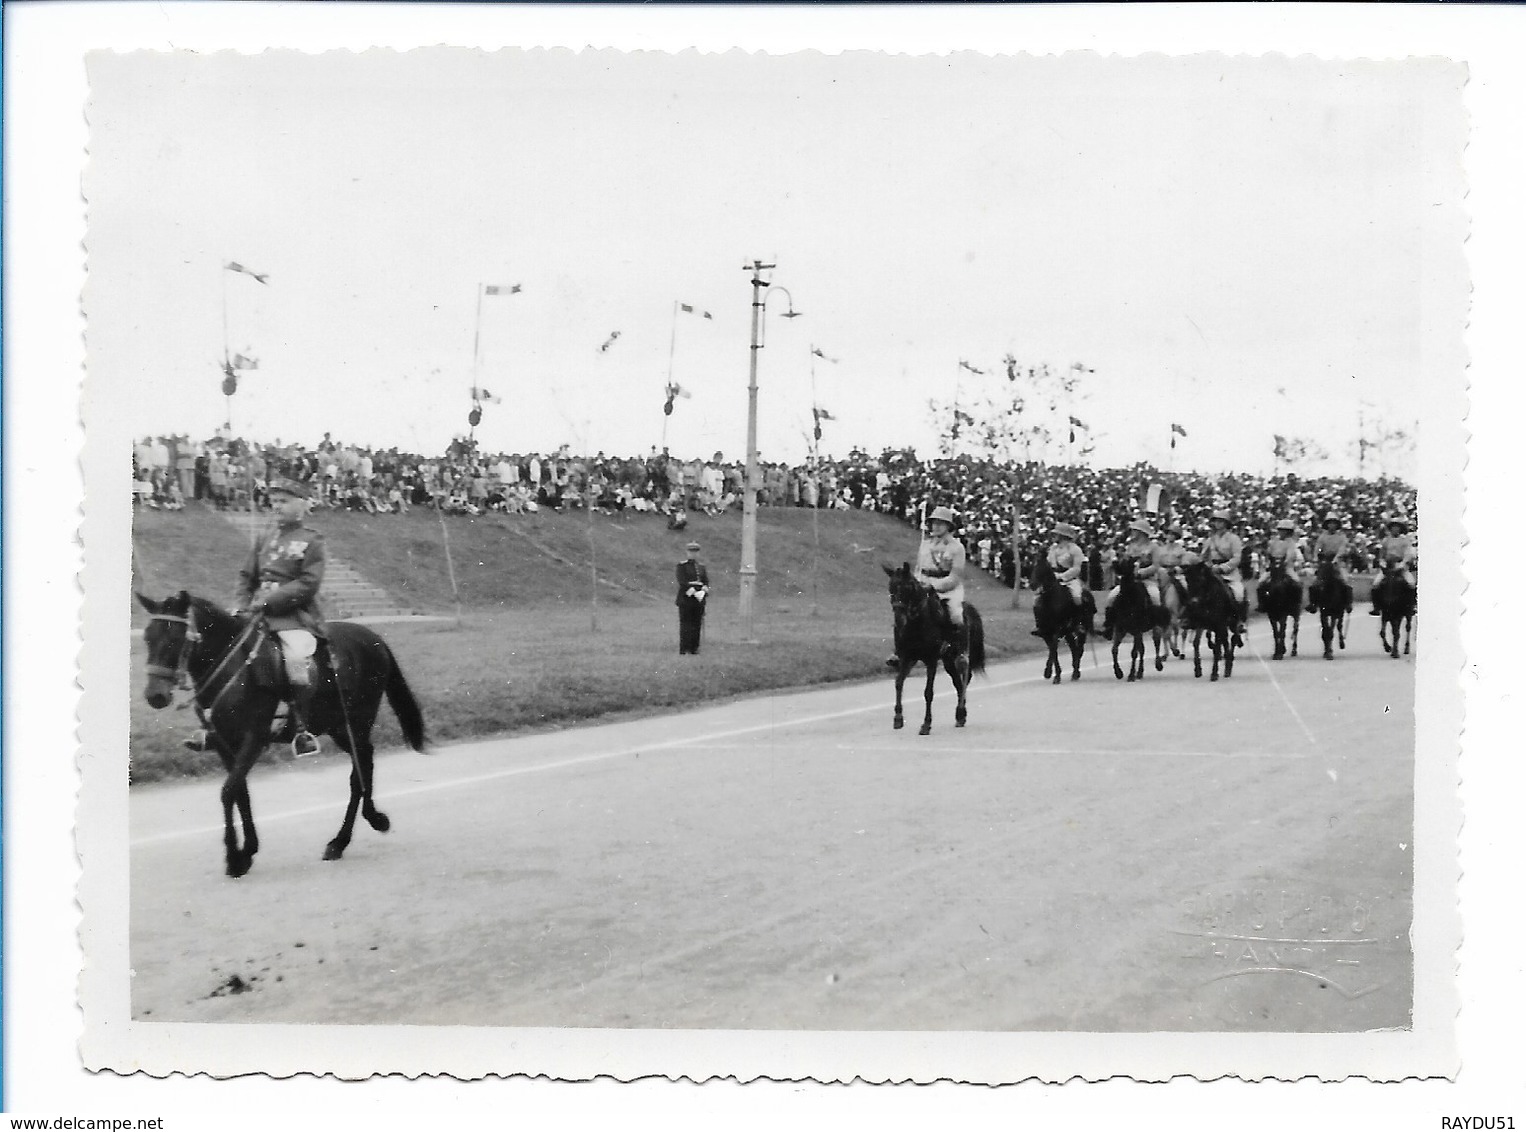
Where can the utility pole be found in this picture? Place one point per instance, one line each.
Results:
(748, 573)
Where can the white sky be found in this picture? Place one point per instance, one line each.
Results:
(1201, 231)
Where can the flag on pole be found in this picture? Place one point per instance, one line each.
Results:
(820, 415)
(672, 391)
(241, 361)
(966, 365)
(1177, 430)
(817, 351)
(610, 341)
(689, 309)
(497, 289)
(242, 270)
(1076, 423)
(481, 394)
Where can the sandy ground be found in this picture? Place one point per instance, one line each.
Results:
(1171, 855)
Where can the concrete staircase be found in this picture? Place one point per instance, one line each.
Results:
(346, 595)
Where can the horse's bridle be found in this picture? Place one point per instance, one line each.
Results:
(180, 675)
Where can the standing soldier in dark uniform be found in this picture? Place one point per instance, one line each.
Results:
(280, 581)
(693, 586)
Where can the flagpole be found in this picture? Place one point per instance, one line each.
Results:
(815, 471)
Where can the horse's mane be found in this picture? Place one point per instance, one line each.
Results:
(1042, 573)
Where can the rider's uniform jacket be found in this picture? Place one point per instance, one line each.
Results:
(1067, 560)
(1170, 555)
(1145, 553)
(940, 563)
(1287, 549)
(1332, 545)
(1397, 550)
(1221, 550)
(284, 571)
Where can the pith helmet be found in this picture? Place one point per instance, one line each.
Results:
(1222, 514)
(1285, 525)
(1066, 529)
(1142, 527)
(942, 513)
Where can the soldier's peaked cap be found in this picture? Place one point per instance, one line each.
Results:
(282, 486)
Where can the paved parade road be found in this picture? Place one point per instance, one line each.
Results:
(1096, 856)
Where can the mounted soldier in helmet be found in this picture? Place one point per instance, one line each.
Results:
(1149, 569)
(1221, 550)
(279, 581)
(1396, 557)
(1331, 547)
(940, 566)
(1281, 549)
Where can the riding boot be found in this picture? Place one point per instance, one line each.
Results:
(951, 635)
(1261, 599)
(303, 741)
(1313, 604)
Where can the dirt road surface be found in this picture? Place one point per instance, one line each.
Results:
(1100, 856)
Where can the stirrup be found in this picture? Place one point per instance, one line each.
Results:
(304, 744)
(892, 662)
(199, 740)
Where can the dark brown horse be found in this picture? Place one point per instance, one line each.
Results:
(1057, 617)
(1211, 609)
(1330, 596)
(1134, 615)
(1396, 607)
(1282, 599)
(919, 638)
(233, 666)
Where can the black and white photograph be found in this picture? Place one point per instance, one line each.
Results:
(817, 566)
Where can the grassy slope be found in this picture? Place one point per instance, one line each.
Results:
(527, 654)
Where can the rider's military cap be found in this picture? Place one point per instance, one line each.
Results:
(692, 546)
(1332, 517)
(282, 486)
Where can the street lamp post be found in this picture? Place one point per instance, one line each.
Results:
(748, 574)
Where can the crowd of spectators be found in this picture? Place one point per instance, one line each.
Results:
(1005, 510)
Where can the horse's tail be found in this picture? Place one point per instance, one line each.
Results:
(977, 654)
(404, 706)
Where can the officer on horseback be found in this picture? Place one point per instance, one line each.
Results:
(940, 566)
(1331, 546)
(1282, 549)
(279, 581)
(1068, 561)
(1148, 568)
(1221, 550)
(1396, 555)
